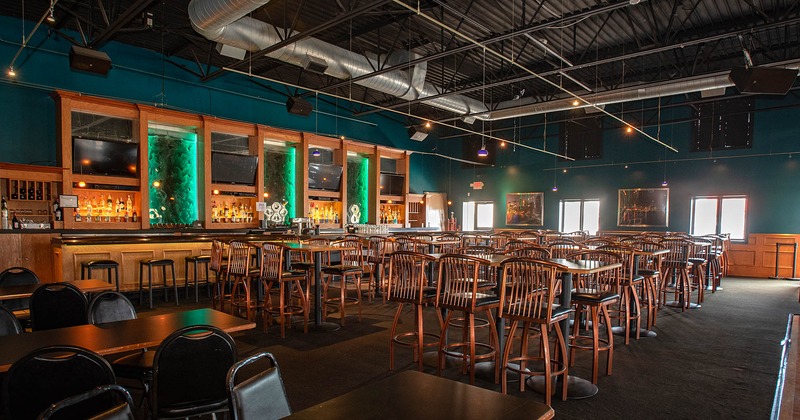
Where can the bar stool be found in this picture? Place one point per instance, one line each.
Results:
(156, 262)
(88, 266)
(195, 260)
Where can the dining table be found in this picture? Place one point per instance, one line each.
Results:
(22, 291)
(118, 336)
(415, 395)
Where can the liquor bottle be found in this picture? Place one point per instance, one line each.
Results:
(15, 222)
(128, 204)
(214, 212)
(135, 217)
(4, 213)
(57, 212)
(88, 212)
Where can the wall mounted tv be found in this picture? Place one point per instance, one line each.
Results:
(232, 168)
(324, 177)
(392, 184)
(105, 157)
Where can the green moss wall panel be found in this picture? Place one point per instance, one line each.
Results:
(173, 164)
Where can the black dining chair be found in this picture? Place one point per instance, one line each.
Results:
(51, 374)
(261, 396)
(111, 307)
(190, 371)
(121, 411)
(17, 276)
(57, 305)
(9, 324)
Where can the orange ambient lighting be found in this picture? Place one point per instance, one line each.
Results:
(81, 184)
(156, 184)
(215, 192)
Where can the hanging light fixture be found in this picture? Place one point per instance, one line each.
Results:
(51, 17)
(483, 152)
(11, 72)
(316, 153)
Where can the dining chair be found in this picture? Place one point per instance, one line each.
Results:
(530, 251)
(561, 248)
(289, 285)
(112, 307)
(261, 396)
(650, 270)
(677, 269)
(122, 411)
(457, 292)
(51, 374)
(219, 266)
(304, 261)
(629, 307)
(57, 305)
(17, 276)
(190, 369)
(592, 296)
(241, 269)
(527, 298)
(347, 273)
(378, 250)
(9, 324)
(408, 285)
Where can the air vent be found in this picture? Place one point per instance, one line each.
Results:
(314, 64)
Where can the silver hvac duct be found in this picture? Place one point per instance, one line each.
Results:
(514, 109)
(224, 21)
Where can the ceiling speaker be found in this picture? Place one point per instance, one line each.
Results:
(298, 106)
(769, 80)
(415, 133)
(88, 60)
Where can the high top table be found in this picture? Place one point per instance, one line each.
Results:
(119, 336)
(576, 387)
(316, 251)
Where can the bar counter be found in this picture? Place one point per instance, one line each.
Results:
(56, 254)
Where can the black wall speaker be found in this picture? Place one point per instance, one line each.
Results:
(91, 61)
(298, 106)
(774, 81)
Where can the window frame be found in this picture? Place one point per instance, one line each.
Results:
(582, 201)
(720, 198)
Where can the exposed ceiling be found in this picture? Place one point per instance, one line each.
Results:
(497, 53)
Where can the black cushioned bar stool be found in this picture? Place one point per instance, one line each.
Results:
(196, 260)
(88, 266)
(156, 262)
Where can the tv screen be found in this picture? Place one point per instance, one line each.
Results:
(324, 177)
(231, 168)
(105, 157)
(392, 184)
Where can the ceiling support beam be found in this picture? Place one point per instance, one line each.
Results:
(132, 12)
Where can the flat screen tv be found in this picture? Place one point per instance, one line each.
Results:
(324, 176)
(232, 168)
(392, 184)
(105, 157)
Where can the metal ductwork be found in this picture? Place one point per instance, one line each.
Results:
(514, 109)
(224, 21)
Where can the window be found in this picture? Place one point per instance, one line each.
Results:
(581, 139)
(720, 214)
(723, 125)
(579, 215)
(478, 215)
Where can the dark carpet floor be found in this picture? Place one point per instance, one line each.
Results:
(718, 361)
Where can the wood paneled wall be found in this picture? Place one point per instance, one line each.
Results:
(756, 258)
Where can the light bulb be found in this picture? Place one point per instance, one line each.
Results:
(483, 152)
(576, 102)
(427, 124)
(51, 18)
(629, 129)
(664, 184)
(315, 153)
(555, 188)
(11, 71)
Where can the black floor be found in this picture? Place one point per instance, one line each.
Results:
(718, 361)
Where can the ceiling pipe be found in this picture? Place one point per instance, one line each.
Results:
(224, 21)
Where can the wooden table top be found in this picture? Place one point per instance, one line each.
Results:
(574, 267)
(116, 337)
(414, 395)
(26, 290)
(296, 246)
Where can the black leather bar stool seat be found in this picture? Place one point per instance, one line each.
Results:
(88, 266)
(156, 262)
(196, 260)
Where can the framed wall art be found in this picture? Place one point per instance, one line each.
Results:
(643, 207)
(525, 209)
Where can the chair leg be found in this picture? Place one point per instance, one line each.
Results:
(548, 372)
(440, 359)
(610, 337)
(420, 351)
(392, 333)
(471, 348)
(175, 283)
(562, 343)
(506, 354)
(595, 342)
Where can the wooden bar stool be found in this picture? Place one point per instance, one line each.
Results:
(196, 260)
(156, 262)
(88, 266)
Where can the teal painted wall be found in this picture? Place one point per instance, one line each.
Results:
(767, 174)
